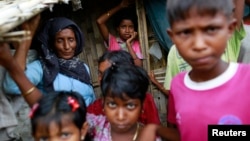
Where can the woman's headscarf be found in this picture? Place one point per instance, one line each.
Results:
(51, 64)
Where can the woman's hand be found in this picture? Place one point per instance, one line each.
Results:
(29, 26)
(32, 24)
(5, 55)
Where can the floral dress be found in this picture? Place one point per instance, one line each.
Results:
(100, 128)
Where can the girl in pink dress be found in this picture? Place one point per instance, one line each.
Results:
(126, 26)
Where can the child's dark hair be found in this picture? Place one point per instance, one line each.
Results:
(179, 9)
(127, 79)
(117, 56)
(126, 14)
(54, 106)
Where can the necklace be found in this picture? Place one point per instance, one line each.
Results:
(136, 132)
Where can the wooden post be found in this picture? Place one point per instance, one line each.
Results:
(143, 34)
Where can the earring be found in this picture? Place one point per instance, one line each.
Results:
(82, 138)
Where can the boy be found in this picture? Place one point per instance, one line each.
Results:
(206, 94)
(177, 64)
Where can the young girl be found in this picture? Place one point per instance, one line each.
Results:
(213, 92)
(150, 112)
(60, 116)
(124, 89)
(126, 25)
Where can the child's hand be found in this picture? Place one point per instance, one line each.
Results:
(148, 133)
(5, 54)
(126, 3)
(152, 77)
(132, 37)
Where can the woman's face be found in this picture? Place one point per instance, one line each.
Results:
(65, 43)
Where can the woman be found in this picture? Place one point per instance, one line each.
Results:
(58, 67)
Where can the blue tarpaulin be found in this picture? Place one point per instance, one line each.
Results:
(156, 14)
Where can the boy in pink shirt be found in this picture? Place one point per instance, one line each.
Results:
(207, 94)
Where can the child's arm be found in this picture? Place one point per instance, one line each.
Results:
(150, 131)
(30, 93)
(157, 84)
(239, 12)
(137, 60)
(101, 21)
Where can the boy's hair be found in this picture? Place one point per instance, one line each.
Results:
(117, 56)
(53, 106)
(125, 79)
(179, 9)
(126, 14)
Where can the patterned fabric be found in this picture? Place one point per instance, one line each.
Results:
(149, 114)
(118, 44)
(52, 65)
(100, 128)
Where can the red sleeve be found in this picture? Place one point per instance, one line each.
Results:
(171, 109)
(95, 107)
(150, 111)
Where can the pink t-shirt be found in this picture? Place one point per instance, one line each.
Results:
(222, 100)
(116, 43)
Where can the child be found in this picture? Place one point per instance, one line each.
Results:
(126, 25)
(60, 116)
(207, 93)
(177, 64)
(150, 112)
(124, 88)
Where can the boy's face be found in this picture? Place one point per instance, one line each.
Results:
(202, 39)
(122, 114)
